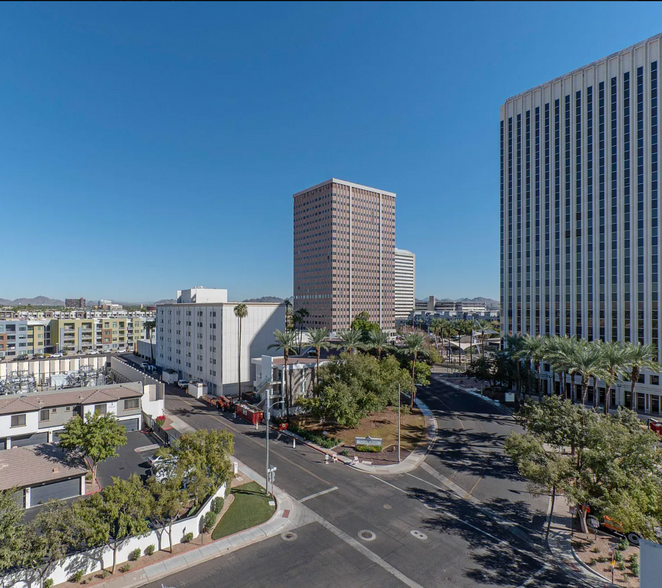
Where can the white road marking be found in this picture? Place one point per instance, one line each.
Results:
(388, 484)
(532, 578)
(319, 494)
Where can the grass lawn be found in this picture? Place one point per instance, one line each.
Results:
(382, 424)
(249, 508)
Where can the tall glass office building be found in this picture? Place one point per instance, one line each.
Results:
(580, 207)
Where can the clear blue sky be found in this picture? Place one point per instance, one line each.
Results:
(149, 147)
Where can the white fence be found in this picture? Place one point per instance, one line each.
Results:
(102, 557)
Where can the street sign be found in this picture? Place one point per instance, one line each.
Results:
(369, 441)
(593, 522)
(510, 397)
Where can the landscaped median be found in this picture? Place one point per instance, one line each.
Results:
(250, 507)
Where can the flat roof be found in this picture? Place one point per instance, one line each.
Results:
(39, 464)
(220, 303)
(19, 403)
(588, 65)
(344, 183)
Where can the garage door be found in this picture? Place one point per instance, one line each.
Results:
(131, 424)
(35, 439)
(56, 490)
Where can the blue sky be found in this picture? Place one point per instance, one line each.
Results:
(149, 147)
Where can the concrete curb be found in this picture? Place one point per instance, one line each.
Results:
(410, 463)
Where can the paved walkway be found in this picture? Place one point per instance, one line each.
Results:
(288, 516)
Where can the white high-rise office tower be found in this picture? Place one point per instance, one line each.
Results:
(580, 205)
(405, 283)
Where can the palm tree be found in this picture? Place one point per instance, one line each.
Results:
(639, 357)
(298, 318)
(513, 346)
(614, 362)
(149, 327)
(533, 349)
(350, 339)
(285, 340)
(378, 340)
(413, 346)
(318, 339)
(483, 325)
(559, 350)
(585, 360)
(241, 312)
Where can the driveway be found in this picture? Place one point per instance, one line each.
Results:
(133, 458)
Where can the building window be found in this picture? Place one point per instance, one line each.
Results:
(18, 420)
(131, 403)
(45, 415)
(101, 408)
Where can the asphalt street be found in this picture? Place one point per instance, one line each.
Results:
(393, 530)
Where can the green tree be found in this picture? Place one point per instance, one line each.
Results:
(318, 338)
(350, 340)
(423, 373)
(363, 324)
(614, 358)
(169, 503)
(377, 340)
(120, 511)
(241, 312)
(298, 318)
(413, 346)
(640, 357)
(533, 350)
(53, 533)
(286, 341)
(586, 360)
(96, 438)
(12, 531)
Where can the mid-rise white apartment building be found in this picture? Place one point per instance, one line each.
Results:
(198, 337)
(405, 283)
(580, 207)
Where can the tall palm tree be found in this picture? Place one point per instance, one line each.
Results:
(298, 318)
(318, 339)
(614, 358)
(378, 340)
(413, 346)
(513, 346)
(533, 350)
(585, 360)
(558, 353)
(241, 312)
(484, 325)
(639, 357)
(287, 342)
(350, 339)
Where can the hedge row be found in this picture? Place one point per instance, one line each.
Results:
(327, 442)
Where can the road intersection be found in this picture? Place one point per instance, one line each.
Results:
(463, 518)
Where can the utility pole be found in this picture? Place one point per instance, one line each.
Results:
(266, 420)
(398, 423)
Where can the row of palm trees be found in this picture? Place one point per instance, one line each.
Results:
(350, 340)
(592, 361)
(448, 329)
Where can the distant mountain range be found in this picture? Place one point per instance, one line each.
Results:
(36, 301)
(266, 299)
(489, 302)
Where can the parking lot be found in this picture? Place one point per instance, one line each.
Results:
(129, 460)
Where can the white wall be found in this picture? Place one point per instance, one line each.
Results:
(96, 559)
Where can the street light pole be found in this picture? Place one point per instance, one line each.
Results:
(398, 423)
(268, 406)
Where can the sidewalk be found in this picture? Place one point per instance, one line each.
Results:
(289, 515)
(410, 463)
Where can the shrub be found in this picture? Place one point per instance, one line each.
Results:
(621, 565)
(623, 544)
(217, 504)
(326, 442)
(596, 549)
(209, 521)
(187, 538)
(77, 577)
(49, 583)
(634, 568)
(602, 559)
(105, 573)
(135, 554)
(125, 568)
(634, 558)
(368, 448)
(618, 555)
(149, 550)
(592, 561)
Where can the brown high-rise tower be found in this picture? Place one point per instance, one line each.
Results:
(344, 248)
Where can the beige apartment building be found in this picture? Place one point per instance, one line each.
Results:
(344, 248)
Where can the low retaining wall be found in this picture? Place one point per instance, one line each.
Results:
(102, 557)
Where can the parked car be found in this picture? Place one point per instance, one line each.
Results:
(57, 355)
(182, 383)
